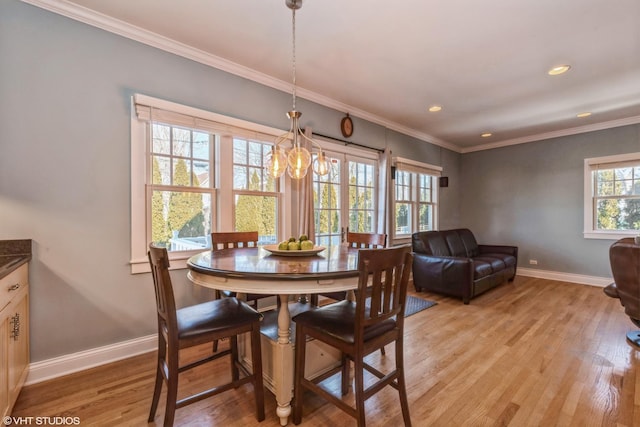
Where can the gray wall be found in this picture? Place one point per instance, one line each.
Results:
(65, 90)
(64, 173)
(531, 195)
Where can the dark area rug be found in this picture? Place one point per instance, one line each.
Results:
(415, 305)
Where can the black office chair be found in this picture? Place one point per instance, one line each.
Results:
(194, 325)
(624, 256)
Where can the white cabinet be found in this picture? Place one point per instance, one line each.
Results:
(14, 336)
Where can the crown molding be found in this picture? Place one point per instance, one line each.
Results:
(115, 26)
(112, 25)
(555, 134)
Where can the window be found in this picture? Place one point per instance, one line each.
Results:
(181, 195)
(612, 196)
(415, 197)
(193, 172)
(362, 192)
(404, 197)
(327, 204)
(426, 202)
(347, 196)
(254, 190)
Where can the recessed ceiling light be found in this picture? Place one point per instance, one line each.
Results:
(585, 114)
(486, 135)
(435, 108)
(560, 69)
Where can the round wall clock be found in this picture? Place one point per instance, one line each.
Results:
(346, 126)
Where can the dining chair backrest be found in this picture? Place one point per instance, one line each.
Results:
(360, 241)
(233, 239)
(165, 301)
(366, 240)
(383, 280)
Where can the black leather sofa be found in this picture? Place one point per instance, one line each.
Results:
(451, 262)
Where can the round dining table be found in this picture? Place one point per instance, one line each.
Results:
(256, 270)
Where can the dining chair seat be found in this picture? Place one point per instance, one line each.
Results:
(218, 316)
(338, 321)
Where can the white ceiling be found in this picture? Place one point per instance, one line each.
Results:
(387, 61)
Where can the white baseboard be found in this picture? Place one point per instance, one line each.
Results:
(565, 277)
(75, 362)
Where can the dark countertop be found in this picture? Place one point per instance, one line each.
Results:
(13, 254)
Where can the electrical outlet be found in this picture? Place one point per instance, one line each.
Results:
(533, 261)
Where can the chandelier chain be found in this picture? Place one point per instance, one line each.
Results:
(293, 56)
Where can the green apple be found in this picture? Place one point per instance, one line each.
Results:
(303, 237)
(292, 239)
(283, 246)
(306, 245)
(294, 246)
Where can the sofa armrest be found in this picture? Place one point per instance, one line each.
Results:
(452, 275)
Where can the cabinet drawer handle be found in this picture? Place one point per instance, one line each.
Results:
(14, 287)
(15, 327)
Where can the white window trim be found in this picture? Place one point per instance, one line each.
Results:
(417, 167)
(590, 165)
(139, 246)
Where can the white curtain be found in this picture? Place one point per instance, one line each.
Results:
(306, 223)
(385, 203)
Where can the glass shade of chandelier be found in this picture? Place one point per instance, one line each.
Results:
(297, 159)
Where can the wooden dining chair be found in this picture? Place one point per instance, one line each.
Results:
(354, 240)
(194, 325)
(366, 240)
(236, 239)
(357, 329)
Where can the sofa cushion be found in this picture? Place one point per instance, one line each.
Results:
(481, 269)
(437, 244)
(469, 241)
(454, 242)
(509, 260)
(496, 263)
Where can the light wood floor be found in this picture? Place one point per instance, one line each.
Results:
(529, 353)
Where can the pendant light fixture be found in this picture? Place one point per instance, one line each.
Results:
(298, 159)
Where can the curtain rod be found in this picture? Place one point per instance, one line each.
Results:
(347, 142)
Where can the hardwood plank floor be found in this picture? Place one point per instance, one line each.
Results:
(529, 353)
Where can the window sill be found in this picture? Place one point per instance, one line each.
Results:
(139, 266)
(609, 235)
